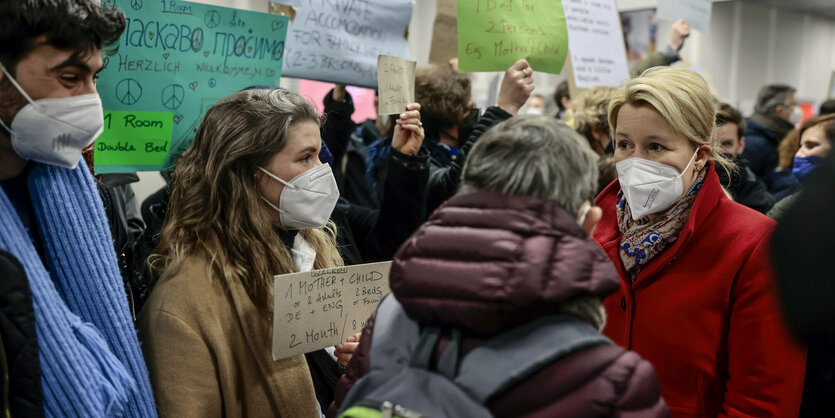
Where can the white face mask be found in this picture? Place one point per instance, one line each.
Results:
(650, 187)
(796, 115)
(533, 111)
(55, 131)
(307, 200)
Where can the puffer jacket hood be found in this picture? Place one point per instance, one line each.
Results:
(486, 262)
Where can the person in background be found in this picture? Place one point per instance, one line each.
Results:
(784, 183)
(562, 97)
(590, 113)
(452, 125)
(827, 107)
(814, 146)
(84, 359)
(339, 106)
(697, 295)
(801, 250)
(775, 114)
(250, 200)
(744, 186)
(512, 248)
(536, 105)
(669, 55)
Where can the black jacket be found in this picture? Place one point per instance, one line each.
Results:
(444, 179)
(19, 359)
(444, 171)
(366, 235)
(747, 189)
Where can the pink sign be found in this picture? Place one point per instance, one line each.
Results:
(315, 91)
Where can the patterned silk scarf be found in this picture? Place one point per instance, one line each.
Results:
(642, 240)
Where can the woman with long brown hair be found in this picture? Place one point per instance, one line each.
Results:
(250, 200)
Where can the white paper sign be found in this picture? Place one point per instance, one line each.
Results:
(320, 308)
(695, 12)
(339, 41)
(595, 43)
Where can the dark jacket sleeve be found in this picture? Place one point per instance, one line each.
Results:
(18, 342)
(336, 131)
(379, 233)
(359, 366)
(662, 58)
(443, 181)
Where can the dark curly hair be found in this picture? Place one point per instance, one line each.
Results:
(76, 25)
(445, 97)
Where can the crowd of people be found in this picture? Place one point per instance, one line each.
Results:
(642, 250)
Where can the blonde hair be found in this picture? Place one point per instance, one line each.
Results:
(591, 112)
(683, 99)
(216, 212)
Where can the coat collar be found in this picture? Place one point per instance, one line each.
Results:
(608, 232)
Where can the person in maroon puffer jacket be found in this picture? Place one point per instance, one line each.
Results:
(511, 247)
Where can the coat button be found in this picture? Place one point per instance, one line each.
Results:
(623, 302)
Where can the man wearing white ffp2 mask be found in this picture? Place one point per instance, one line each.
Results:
(55, 130)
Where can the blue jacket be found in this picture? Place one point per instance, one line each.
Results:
(760, 152)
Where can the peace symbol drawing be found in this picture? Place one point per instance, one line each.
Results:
(136, 4)
(128, 91)
(212, 19)
(172, 96)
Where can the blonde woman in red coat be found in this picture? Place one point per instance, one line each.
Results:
(697, 296)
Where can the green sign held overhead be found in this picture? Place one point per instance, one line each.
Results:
(179, 58)
(133, 141)
(493, 34)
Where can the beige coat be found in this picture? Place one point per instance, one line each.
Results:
(209, 354)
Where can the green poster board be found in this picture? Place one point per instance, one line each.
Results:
(493, 34)
(133, 141)
(179, 58)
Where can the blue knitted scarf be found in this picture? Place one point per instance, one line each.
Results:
(91, 365)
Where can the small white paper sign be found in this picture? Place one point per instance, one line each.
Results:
(396, 84)
(320, 308)
(595, 43)
(339, 41)
(695, 12)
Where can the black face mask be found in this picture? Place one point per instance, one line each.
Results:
(467, 126)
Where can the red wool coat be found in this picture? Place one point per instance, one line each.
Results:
(704, 312)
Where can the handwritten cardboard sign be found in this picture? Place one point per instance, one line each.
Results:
(180, 57)
(595, 42)
(339, 41)
(493, 34)
(320, 308)
(396, 84)
(695, 12)
(132, 141)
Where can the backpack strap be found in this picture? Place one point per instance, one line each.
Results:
(513, 356)
(395, 337)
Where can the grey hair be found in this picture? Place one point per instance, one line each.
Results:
(533, 156)
(771, 96)
(587, 308)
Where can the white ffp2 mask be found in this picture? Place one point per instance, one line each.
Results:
(650, 187)
(307, 200)
(55, 131)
